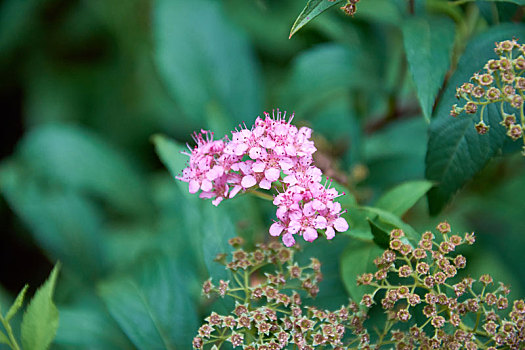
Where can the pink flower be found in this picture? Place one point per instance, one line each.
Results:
(272, 151)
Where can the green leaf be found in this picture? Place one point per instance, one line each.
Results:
(348, 199)
(321, 72)
(381, 233)
(312, 9)
(40, 321)
(223, 75)
(152, 306)
(17, 304)
(357, 219)
(393, 221)
(331, 289)
(517, 2)
(358, 258)
(65, 224)
(381, 12)
(86, 324)
(341, 111)
(428, 45)
(455, 151)
(169, 152)
(403, 197)
(53, 153)
(397, 153)
(4, 339)
(216, 230)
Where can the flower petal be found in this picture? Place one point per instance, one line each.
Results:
(340, 225)
(265, 184)
(330, 233)
(288, 240)
(276, 229)
(206, 185)
(194, 186)
(310, 234)
(258, 167)
(248, 181)
(272, 174)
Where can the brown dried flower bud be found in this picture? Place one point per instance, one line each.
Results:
(223, 287)
(486, 279)
(515, 132)
(470, 238)
(396, 244)
(236, 242)
(396, 233)
(493, 94)
(438, 321)
(403, 315)
(349, 9)
(478, 92)
(471, 107)
(422, 268)
(405, 271)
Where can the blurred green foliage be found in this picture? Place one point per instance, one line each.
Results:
(93, 81)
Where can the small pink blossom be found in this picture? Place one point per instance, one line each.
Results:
(248, 181)
(272, 151)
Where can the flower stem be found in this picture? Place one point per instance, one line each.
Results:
(262, 195)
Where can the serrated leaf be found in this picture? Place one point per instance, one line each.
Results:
(221, 77)
(152, 306)
(40, 321)
(455, 151)
(428, 45)
(358, 259)
(403, 197)
(312, 9)
(17, 304)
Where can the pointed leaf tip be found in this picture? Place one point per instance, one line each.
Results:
(40, 321)
(312, 9)
(17, 304)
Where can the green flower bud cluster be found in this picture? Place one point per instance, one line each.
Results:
(502, 82)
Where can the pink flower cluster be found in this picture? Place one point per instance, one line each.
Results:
(272, 152)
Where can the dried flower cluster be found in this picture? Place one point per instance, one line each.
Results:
(272, 153)
(502, 82)
(427, 305)
(443, 310)
(266, 314)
